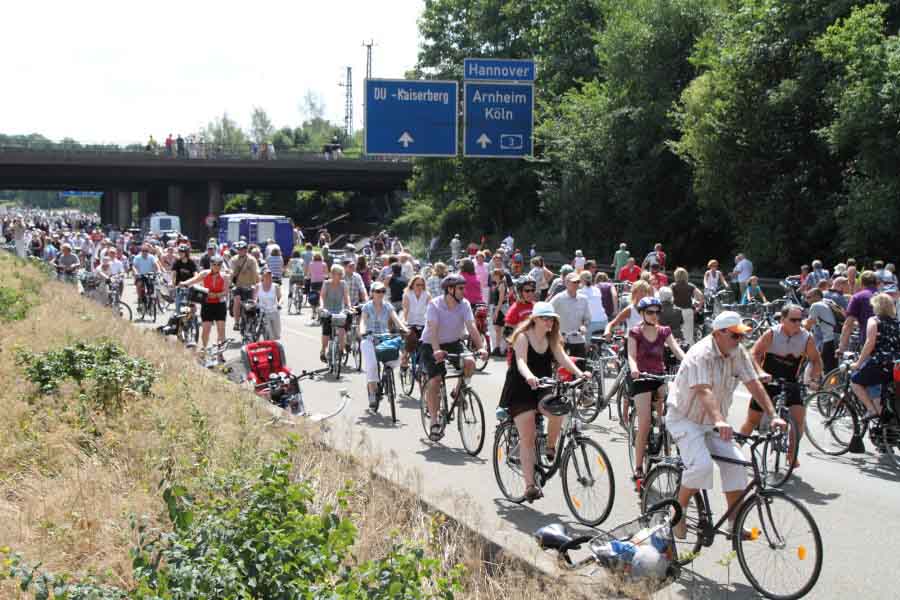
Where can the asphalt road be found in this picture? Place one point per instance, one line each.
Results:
(855, 499)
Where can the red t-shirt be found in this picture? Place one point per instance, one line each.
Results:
(215, 284)
(518, 313)
(659, 280)
(632, 273)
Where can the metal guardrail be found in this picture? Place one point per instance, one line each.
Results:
(190, 151)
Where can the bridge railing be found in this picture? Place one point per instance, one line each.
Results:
(189, 151)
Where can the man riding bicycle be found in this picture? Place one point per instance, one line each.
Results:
(244, 278)
(143, 265)
(446, 321)
(698, 402)
(574, 316)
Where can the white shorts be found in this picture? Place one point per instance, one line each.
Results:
(697, 443)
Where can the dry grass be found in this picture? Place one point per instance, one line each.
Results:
(67, 497)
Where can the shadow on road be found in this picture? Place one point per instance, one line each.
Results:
(405, 401)
(528, 520)
(438, 453)
(379, 420)
(697, 587)
(879, 466)
(796, 487)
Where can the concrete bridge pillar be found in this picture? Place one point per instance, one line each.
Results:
(175, 197)
(123, 209)
(157, 199)
(107, 202)
(143, 198)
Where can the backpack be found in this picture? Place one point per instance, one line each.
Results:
(837, 312)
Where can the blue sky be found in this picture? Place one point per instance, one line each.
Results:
(104, 71)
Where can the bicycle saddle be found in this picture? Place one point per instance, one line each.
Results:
(552, 536)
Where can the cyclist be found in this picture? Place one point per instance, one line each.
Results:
(779, 354)
(630, 272)
(859, 310)
(142, 265)
(183, 268)
(336, 300)
(698, 401)
(521, 309)
(244, 277)
(295, 270)
(275, 262)
(592, 294)
(415, 303)
(447, 319)
(537, 343)
(499, 305)
(688, 299)
(754, 292)
(214, 309)
(211, 249)
(66, 264)
(646, 355)
(376, 317)
(434, 281)
(713, 279)
(630, 314)
(315, 277)
(881, 349)
(473, 284)
(573, 312)
(268, 297)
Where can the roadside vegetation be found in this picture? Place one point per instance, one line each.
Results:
(128, 472)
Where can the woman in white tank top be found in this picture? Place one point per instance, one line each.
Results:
(415, 302)
(630, 315)
(268, 298)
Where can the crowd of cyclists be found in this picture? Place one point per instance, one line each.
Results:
(683, 347)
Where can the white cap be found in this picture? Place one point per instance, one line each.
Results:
(731, 321)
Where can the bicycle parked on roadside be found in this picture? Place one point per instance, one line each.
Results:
(777, 533)
(587, 476)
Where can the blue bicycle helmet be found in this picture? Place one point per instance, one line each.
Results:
(647, 302)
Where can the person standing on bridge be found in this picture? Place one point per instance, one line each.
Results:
(170, 146)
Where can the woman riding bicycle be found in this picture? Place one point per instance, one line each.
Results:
(336, 300)
(536, 343)
(376, 318)
(881, 349)
(415, 303)
(646, 355)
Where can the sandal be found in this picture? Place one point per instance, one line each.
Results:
(436, 433)
(532, 493)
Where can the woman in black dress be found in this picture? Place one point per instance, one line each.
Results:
(536, 343)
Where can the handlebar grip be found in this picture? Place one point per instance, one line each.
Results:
(666, 504)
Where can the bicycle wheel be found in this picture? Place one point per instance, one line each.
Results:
(507, 465)
(631, 439)
(662, 483)
(830, 423)
(141, 310)
(122, 310)
(776, 565)
(890, 441)
(356, 351)
(623, 403)
(775, 467)
(408, 378)
(480, 363)
(151, 309)
(589, 486)
(424, 413)
(470, 421)
(834, 380)
(592, 394)
(391, 394)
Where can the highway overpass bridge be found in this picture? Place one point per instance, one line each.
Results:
(189, 187)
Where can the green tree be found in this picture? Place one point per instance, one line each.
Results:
(224, 132)
(865, 99)
(261, 128)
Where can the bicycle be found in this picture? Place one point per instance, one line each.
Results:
(213, 357)
(251, 321)
(481, 314)
(466, 406)
(354, 350)
(334, 353)
(115, 302)
(584, 477)
(283, 390)
(659, 442)
(775, 467)
(295, 306)
(147, 304)
(590, 397)
(386, 382)
(412, 373)
(835, 417)
(760, 511)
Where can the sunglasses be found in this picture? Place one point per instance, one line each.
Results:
(378, 292)
(736, 336)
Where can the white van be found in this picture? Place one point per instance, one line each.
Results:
(160, 222)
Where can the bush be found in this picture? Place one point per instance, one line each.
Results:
(105, 368)
(255, 537)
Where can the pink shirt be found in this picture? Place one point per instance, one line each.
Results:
(317, 270)
(473, 289)
(481, 271)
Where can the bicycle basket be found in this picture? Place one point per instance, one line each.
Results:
(640, 549)
(338, 319)
(388, 349)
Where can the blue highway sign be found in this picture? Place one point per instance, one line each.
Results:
(498, 69)
(411, 118)
(499, 119)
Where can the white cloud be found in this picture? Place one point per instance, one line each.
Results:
(102, 71)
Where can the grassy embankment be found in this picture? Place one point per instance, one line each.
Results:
(75, 475)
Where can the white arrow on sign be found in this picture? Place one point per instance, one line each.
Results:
(483, 141)
(406, 139)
